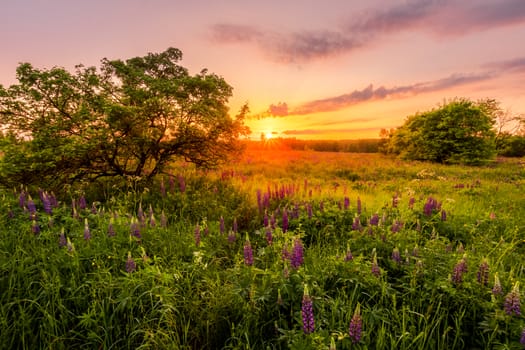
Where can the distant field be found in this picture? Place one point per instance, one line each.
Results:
(281, 249)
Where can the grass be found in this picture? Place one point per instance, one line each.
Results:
(191, 287)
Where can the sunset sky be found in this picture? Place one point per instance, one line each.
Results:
(308, 69)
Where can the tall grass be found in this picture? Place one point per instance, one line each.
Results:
(413, 273)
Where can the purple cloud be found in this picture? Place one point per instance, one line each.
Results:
(439, 17)
(278, 110)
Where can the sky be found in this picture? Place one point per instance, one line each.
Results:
(333, 69)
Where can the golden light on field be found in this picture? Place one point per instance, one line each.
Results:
(268, 135)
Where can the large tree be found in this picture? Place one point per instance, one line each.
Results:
(128, 118)
(460, 131)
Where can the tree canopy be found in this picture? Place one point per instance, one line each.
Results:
(460, 131)
(127, 118)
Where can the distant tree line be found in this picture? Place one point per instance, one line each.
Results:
(355, 146)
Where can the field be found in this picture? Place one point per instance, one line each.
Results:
(280, 250)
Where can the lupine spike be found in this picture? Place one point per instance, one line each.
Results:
(307, 312)
(496, 289)
(130, 264)
(62, 241)
(297, 257)
(355, 328)
(87, 231)
(248, 253)
(512, 303)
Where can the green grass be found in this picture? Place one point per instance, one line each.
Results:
(185, 295)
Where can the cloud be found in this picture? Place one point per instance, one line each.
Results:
(438, 17)
(514, 65)
(370, 93)
(278, 110)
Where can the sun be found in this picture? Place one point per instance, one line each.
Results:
(268, 135)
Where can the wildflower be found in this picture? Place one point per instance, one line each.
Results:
(285, 253)
(396, 256)
(111, 229)
(221, 225)
(348, 256)
(62, 241)
(70, 246)
(152, 221)
(430, 205)
(358, 206)
(459, 269)
(265, 219)
(356, 225)
(87, 231)
(411, 202)
(48, 208)
(285, 220)
(297, 259)
(492, 215)
(248, 252)
(140, 215)
(182, 184)
(22, 199)
(94, 209)
(522, 338)
(443, 215)
(395, 200)
(31, 207)
(396, 226)
(355, 329)
(273, 221)
(163, 220)
(197, 235)
(374, 220)
(307, 312)
(346, 203)
(496, 289)
(269, 235)
(35, 228)
(135, 229)
(483, 272)
(162, 188)
(512, 301)
(309, 210)
(415, 251)
(130, 264)
(231, 237)
(82, 202)
(235, 227)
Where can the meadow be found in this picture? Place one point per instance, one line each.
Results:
(281, 249)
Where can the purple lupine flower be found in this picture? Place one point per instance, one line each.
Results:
(31, 207)
(94, 209)
(346, 203)
(522, 338)
(269, 235)
(512, 303)
(248, 252)
(443, 215)
(396, 226)
(273, 221)
(182, 184)
(348, 255)
(48, 207)
(265, 219)
(197, 235)
(140, 216)
(82, 202)
(396, 255)
(374, 220)
(163, 220)
(430, 205)
(111, 228)
(285, 220)
(496, 289)
(309, 210)
(62, 241)
(358, 206)
(162, 188)
(22, 199)
(35, 227)
(395, 200)
(221, 225)
(130, 264)
(307, 312)
(152, 221)
(459, 269)
(87, 231)
(483, 272)
(355, 330)
(297, 258)
(295, 212)
(135, 229)
(411, 202)
(232, 236)
(356, 225)
(235, 226)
